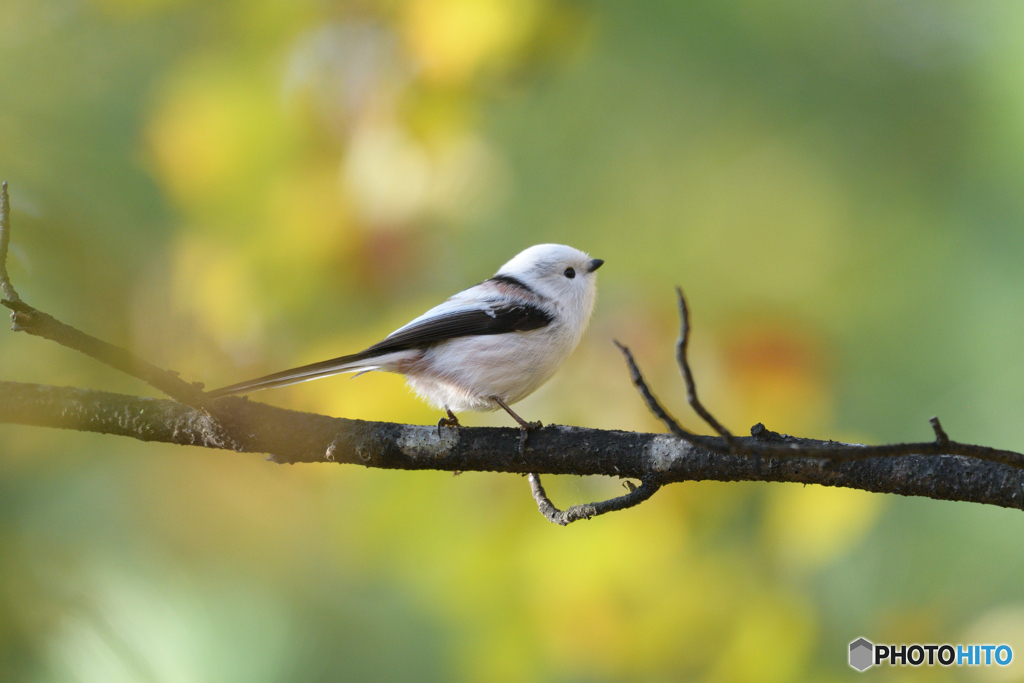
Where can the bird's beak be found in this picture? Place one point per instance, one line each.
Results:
(594, 264)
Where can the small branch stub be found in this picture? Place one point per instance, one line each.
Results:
(941, 438)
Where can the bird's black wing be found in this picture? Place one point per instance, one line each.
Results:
(499, 319)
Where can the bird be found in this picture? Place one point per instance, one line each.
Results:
(483, 349)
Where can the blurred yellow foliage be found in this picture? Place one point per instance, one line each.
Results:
(811, 526)
(216, 134)
(772, 639)
(218, 285)
(306, 227)
(453, 39)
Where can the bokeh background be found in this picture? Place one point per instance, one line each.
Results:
(234, 187)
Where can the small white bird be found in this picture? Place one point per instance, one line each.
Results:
(485, 348)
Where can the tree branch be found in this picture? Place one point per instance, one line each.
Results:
(36, 323)
(295, 437)
(942, 469)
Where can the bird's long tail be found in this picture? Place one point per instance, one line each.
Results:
(357, 362)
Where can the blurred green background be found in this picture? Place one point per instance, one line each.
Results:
(234, 187)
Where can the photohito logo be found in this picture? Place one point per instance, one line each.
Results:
(864, 654)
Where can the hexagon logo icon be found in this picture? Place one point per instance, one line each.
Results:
(861, 654)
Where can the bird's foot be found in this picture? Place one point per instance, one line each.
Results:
(524, 432)
(524, 427)
(450, 421)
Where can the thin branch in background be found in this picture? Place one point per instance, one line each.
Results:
(684, 370)
(5, 238)
(32, 321)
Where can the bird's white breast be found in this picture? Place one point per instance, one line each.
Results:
(464, 373)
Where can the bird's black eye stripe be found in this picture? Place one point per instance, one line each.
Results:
(569, 273)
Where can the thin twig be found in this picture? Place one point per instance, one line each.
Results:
(32, 321)
(684, 369)
(5, 238)
(575, 513)
(652, 403)
(659, 410)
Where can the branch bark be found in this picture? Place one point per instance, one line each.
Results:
(296, 437)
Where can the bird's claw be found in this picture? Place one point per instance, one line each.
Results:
(450, 421)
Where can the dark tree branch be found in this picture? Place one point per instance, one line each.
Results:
(294, 437)
(942, 469)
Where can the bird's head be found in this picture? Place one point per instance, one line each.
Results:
(565, 276)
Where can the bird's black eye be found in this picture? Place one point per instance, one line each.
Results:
(569, 273)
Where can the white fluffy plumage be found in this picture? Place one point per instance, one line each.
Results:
(488, 346)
